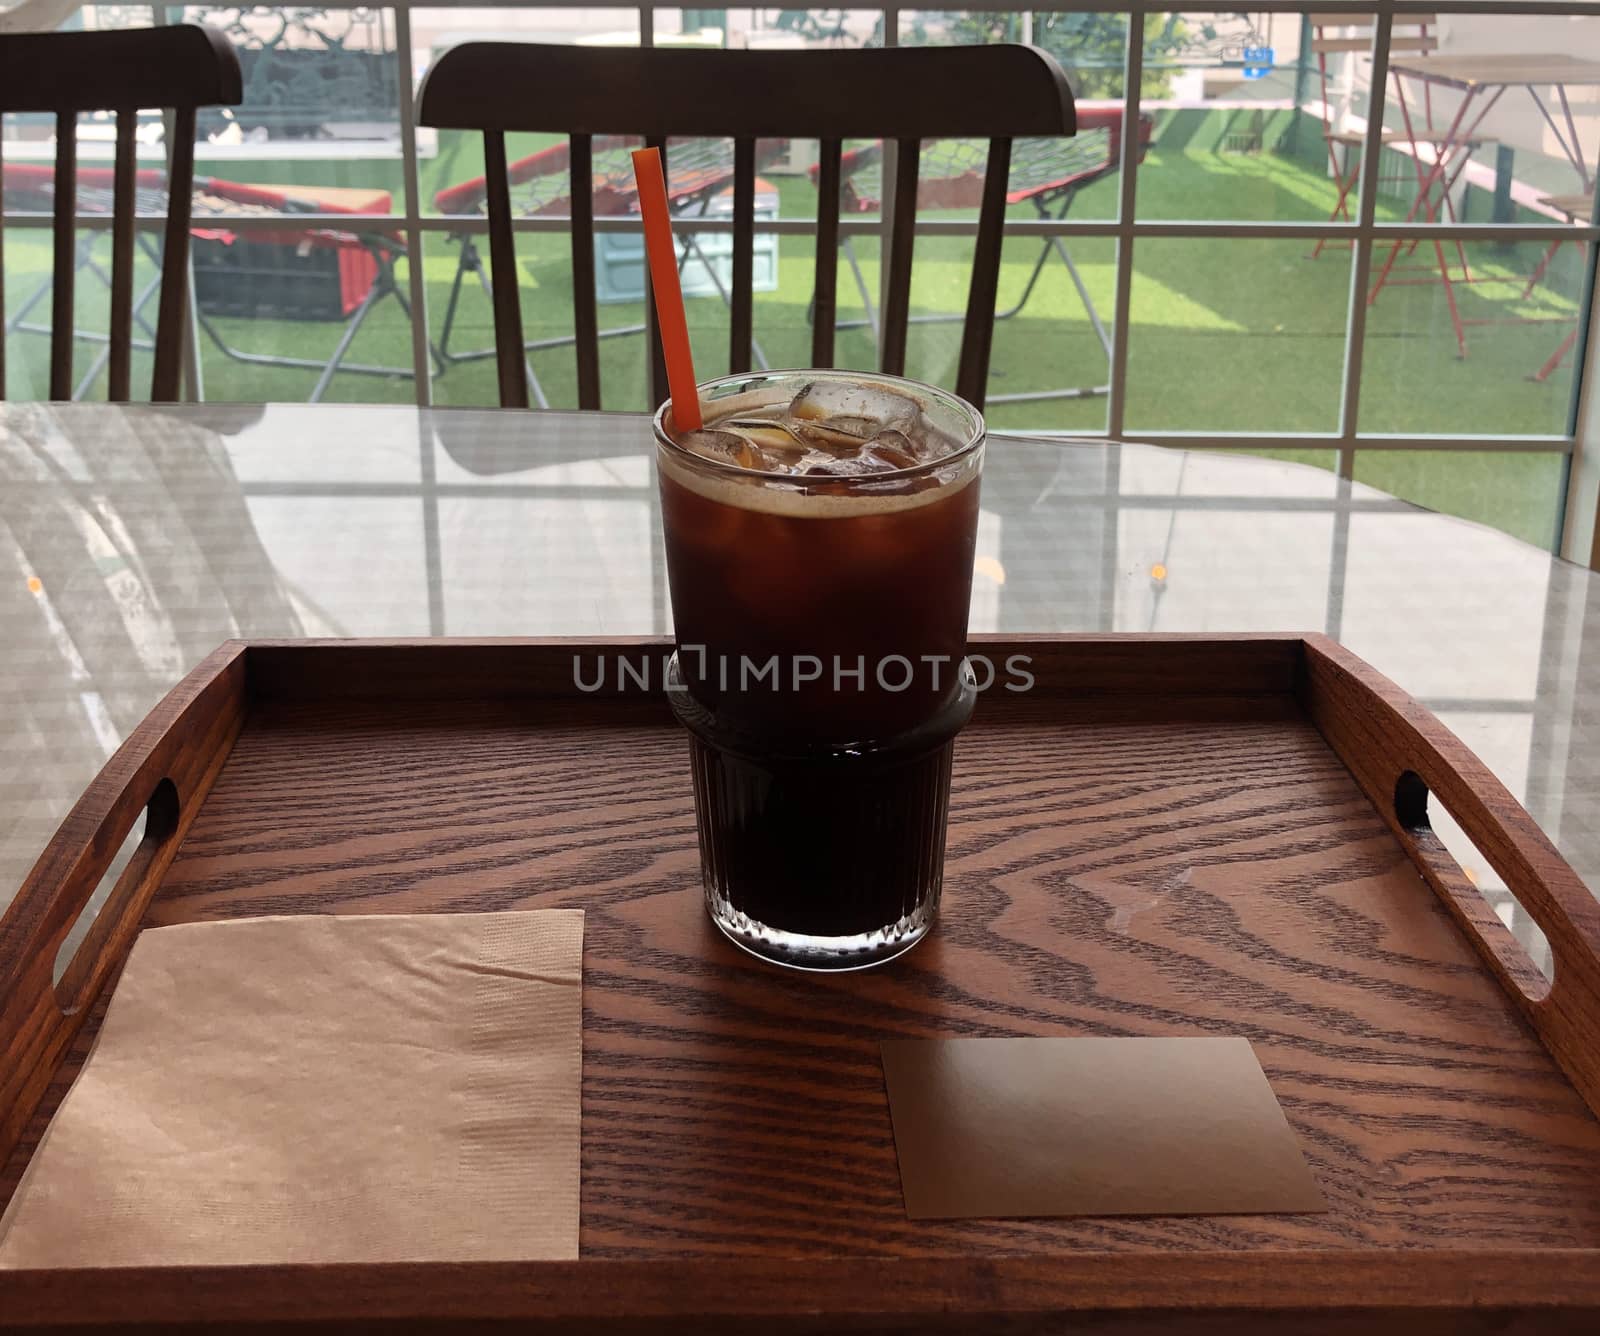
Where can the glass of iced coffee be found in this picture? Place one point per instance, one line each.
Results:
(820, 532)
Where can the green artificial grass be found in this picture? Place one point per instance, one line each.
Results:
(1226, 335)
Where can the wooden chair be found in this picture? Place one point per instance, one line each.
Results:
(178, 68)
(905, 94)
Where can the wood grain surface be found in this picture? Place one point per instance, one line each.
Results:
(1119, 864)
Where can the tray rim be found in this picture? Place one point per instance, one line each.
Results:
(1361, 714)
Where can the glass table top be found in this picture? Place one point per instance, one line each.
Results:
(135, 539)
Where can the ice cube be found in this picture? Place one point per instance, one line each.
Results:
(832, 436)
(893, 450)
(768, 435)
(726, 447)
(854, 408)
(834, 467)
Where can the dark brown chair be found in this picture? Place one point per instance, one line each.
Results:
(177, 68)
(906, 94)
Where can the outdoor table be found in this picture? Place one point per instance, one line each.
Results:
(1482, 79)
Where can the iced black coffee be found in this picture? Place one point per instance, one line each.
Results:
(820, 533)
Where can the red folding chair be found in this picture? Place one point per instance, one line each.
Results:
(1046, 173)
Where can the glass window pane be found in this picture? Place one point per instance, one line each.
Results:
(1235, 336)
(1516, 491)
(29, 258)
(30, 190)
(318, 127)
(1050, 178)
(1049, 365)
(461, 319)
(317, 131)
(1498, 121)
(1472, 338)
(285, 317)
(1257, 116)
(450, 162)
(783, 305)
(461, 316)
(769, 29)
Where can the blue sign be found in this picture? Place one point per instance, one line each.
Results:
(1257, 62)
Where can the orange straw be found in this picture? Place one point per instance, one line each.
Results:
(663, 255)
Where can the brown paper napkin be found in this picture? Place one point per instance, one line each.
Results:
(322, 1089)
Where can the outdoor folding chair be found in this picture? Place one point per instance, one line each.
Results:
(179, 68)
(1046, 173)
(907, 94)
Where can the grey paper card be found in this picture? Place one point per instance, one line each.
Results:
(1054, 1127)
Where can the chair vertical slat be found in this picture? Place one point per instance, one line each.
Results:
(173, 310)
(503, 274)
(66, 256)
(977, 335)
(825, 306)
(742, 318)
(585, 322)
(902, 238)
(119, 367)
(659, 392)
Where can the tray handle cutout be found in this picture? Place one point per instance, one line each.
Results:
(160, 776)
(1400, 755)
(1465, 890)
(107, 905)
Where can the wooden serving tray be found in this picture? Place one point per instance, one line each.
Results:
(1168, 835)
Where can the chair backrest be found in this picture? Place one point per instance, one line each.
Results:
(908, 94)
(176, 68)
